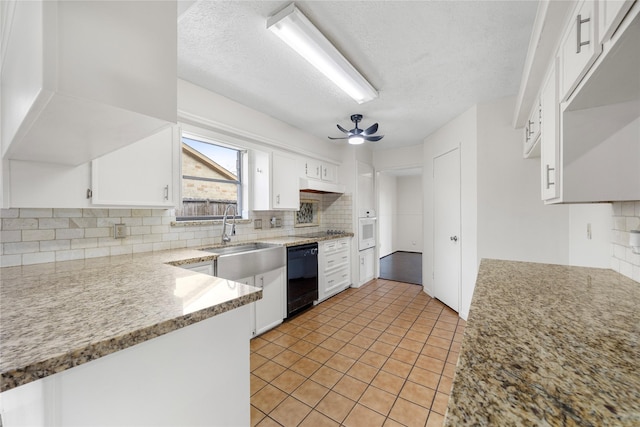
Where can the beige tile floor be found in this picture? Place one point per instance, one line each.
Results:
(380, 355)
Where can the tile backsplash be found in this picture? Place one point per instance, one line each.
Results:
(34, 236)
(626, 217)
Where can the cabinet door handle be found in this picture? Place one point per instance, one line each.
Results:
(166, 192)
(580, 43)
(324, 170)
(318, 171)
(548, 181)
(530, 128)
(454, 238)
(278, 199)
(526, 134)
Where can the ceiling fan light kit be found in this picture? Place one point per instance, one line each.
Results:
(301, 35)
(357, 136)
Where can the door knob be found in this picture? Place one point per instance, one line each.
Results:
(454, 238)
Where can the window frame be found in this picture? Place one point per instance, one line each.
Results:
(241, 182)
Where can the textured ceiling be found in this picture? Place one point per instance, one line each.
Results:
(430, 60)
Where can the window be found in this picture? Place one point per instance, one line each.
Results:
(211, 179)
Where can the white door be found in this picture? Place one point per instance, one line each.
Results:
(446, 233)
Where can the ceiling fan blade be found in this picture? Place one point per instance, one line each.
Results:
(342, 129)
(371, 129)
(373, 138)
(343, 137)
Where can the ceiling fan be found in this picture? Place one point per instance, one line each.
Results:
(357, 135)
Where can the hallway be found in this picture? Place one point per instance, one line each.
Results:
(402, 266)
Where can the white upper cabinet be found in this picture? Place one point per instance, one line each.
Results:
(580, 47)
(590, 102)
(549, 140)
(146, 173)
(143, 174)
(532, 132)
(275, 182)
(81, 79)
(610, 14)
(317, 169)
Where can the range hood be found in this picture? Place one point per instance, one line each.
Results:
(317, 186)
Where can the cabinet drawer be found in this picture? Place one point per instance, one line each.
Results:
(336, 260)
(335, 246)
(337, 279)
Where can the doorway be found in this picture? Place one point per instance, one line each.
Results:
(446, 228)
(402, 266)
(400, 224)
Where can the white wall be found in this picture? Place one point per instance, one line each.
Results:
(409, 218)
(391, 161)
(221, 114)
(399, 158)
(387, 205)
(502, 215)
(513, 223)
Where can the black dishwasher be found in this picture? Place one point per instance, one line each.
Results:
(302, 277)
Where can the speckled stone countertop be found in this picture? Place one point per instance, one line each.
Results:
(305, 239)
(59, 315)
(56, 316)
(549, 345)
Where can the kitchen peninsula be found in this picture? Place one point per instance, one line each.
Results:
(164, 346)
(134, 332)
(549, 345)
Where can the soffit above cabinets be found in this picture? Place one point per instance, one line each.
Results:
(82, 79)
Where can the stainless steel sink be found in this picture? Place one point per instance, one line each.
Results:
(240, 261)
(226, 250)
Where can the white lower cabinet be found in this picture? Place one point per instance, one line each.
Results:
(196, 375)
(268, 312)
(334, 267)
(367, 265)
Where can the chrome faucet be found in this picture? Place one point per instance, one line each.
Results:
(225, 237)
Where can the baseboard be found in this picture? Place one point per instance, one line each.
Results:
(403, 252)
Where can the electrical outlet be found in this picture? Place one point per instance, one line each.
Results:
(257, 224)
(119, 231)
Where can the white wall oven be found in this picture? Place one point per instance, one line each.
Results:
(366, 233)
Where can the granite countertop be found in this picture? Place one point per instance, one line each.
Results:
(56, 316)
(59, 315)
(305, 239)
(549, 345)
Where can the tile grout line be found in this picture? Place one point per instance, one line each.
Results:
(403, 301)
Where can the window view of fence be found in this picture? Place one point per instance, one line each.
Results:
(210, 179)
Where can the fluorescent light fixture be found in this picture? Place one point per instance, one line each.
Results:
(356, 140)
(302, 36)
